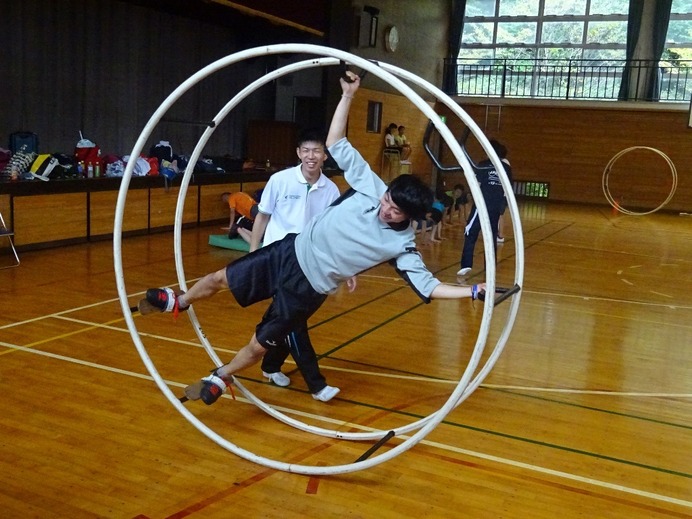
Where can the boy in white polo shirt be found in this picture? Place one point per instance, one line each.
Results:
(289, 201)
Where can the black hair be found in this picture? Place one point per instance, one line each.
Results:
(499, 148)
(311, 135)
(411, 195)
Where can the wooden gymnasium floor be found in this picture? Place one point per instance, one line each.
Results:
(587, 413)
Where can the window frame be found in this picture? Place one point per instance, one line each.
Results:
(521, 68)
(540, 19)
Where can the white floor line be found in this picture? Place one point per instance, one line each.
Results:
(588, 391)
(397, 376)
(438, 445)
(78, 308)
(661, 294)
(609, 300)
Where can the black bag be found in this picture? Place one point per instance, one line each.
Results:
(162, 151)
(43, 166)
(28, 139)
(66, 168)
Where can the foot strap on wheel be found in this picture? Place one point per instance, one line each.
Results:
(194, 391)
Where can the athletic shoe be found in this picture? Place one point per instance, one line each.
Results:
(500, 239)
(278, 378)
(213, 387)
(463, 271)
(159, 300)
(326, 393)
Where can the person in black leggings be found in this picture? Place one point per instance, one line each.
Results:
(494, 196)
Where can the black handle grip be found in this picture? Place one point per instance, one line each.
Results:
(361, 74)
(505, 293)
(433, 157)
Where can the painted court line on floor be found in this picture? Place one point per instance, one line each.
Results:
(413, 378)
(446, 447)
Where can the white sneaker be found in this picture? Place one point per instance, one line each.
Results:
(326, 393)
(464, 271)
(278, 378)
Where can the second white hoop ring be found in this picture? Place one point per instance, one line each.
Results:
(606, 175)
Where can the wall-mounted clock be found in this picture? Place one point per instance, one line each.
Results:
(391, 39)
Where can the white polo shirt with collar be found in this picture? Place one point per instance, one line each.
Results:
(292, 202)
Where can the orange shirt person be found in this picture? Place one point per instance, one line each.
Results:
(243, 209)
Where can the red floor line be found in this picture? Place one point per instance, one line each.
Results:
(241, 485)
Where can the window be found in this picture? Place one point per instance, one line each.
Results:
(675, 62)
(593, 29)
(516, 32)
(518, 8)
(561, 8)
(374, 121)
(606, 32)
(480, 8)
(567, 49)
(547, 29)
(679, 37)
(481, 33)
(608, 7)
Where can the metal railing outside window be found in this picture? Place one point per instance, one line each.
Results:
(575, 79)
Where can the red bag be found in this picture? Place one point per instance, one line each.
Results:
(154, 164)
(87, 152)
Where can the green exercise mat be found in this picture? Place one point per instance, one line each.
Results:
(223, 241)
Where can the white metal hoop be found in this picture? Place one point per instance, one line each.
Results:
(386, 73)
(606, 176)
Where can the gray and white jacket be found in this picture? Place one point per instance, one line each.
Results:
(348, 237)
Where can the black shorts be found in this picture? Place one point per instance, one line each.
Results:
(446, 200)
(273, 272)
(241, 223)
(436, 215)
(462, 200)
